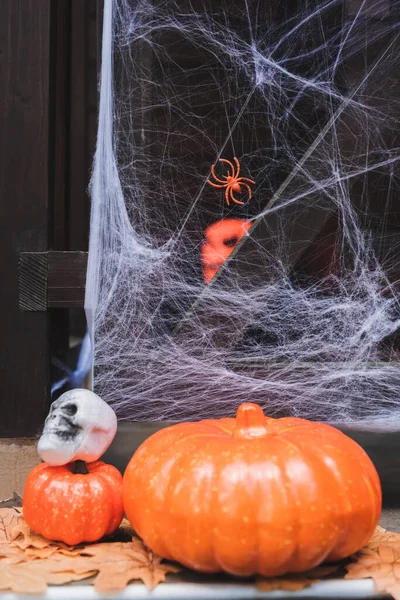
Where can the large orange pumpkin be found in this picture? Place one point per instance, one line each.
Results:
(73, 507)
(252, 494)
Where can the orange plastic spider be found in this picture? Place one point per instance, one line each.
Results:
(232, 181)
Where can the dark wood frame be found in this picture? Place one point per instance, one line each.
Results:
(46, 142)
(26, 193)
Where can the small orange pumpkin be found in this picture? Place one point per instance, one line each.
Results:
(252, 494)
(73, 507)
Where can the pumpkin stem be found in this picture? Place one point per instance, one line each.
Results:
(79, 468)
(250, 422)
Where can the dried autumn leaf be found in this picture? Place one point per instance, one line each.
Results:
(116, 564)
(23, 537)
(12, 555)
(40, 552)
(394, 590)
(9, 519)
(382, 536)
(28, 561)
(68, 576)
(13, 578)
(151, 577)
(33, 576)
(121, 562)
(118, 577)
(114, 578)
(380, 563)
(296, 582)
(70, 551)
(36, 546)
(121, 551)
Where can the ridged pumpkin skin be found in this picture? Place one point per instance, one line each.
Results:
(73, 508)
(252, 494)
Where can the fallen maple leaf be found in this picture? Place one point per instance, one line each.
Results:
(383, 537)
(29, 562)
(33, 576)
(23, 537)
(118, 576)
(121, 562)
(40, 552)
(379, 561)
(9, 519)
(36, 546)
(12, 578)
(134, 550)
(12, 555)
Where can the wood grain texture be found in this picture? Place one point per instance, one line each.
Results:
(78, 160)
(59, 103)
(66, 279)
(52, 280)
(24, 177)
(82, 118)
(33, 269)
(58, 155)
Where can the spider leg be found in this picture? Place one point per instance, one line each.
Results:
(228, 162)
(233, 197)
(215, 184)
(228, 189)
(238, 167)
(245, 179)
(249, 190)
(214, 175)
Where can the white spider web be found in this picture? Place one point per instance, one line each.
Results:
(303, 317)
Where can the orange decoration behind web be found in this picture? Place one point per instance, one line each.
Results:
(220, 240)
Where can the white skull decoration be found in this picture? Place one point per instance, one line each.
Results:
(80, 426)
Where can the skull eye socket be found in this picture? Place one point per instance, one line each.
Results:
(70, 409)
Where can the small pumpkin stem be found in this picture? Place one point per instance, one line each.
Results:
(250, 422)
(79, 468)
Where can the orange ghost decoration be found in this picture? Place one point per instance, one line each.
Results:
(220, 240)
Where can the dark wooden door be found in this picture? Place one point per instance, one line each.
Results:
(48, 97)
(25, 196)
